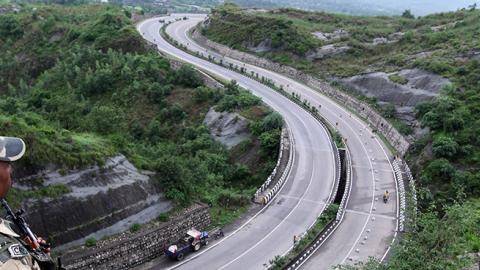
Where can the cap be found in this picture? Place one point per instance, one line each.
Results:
(11, 148)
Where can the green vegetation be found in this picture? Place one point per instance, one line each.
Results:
(79, 85)
(16, 196)
(235, 27)
(398, 79)
(90, 242)
(446, 161)
(135, 227)
(163, 217)
(282, 34)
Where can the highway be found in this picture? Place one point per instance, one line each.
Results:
(369, 225)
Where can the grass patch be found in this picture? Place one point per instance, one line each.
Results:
(398, 79)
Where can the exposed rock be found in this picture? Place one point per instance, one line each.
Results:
(56, 37)
(228, 128)
(473, 54)
(326, 51)
(443, 27)
(420, 86)
(421, 55)
(11, 8)
(396, 36)
(103, 201)
(264, 46)
(392, 38)
(380, 40)
(337, 34)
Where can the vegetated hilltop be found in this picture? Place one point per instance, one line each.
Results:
(383, 58)
(79, 84)
(362, 7)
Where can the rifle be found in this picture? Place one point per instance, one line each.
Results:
(28, 237)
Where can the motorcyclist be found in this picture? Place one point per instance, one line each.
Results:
(386, 196)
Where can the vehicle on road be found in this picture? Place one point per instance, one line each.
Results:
(192, 241)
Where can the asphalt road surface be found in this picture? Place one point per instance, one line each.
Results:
(369, 225)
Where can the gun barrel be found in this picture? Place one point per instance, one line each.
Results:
(20, 222)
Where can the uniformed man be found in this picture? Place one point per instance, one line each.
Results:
(13, 254)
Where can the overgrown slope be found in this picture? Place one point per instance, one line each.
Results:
(446, 160)
(79, 85)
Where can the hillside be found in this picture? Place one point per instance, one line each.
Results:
(420, 73)
(79, 84)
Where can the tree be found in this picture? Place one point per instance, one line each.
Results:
(187, 76)
(272, 121)
(103, 119)
(444, 146)
(10, 27)
(408, 14)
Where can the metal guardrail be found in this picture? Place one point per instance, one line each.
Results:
(401, 191)
(401, 168)
(271, 192)
(330, 227)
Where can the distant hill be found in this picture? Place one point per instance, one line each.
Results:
(363, 7)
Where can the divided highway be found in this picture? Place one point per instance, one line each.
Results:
(369, 225)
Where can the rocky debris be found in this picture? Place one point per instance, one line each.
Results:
(103, 201)
(228, 128)
(420, 86)
(326, 51)
(57, 36)
(380, 40)
(444, 27)
(396, 36)
(336, 35)
(421, 55)
(12, 8)
(392, 38)
(264, 46)
(473, 54)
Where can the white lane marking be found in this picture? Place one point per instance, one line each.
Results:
(367, 214)
(317, 150)
(276, 227)
(368, 168)
(362, 144)
(322, 128)
(303, 200)
(324, 98)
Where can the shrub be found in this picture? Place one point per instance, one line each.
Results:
(272, 121)
(90, 242)
(135, 227)
(398, 79)
(163, 217)
(187, 76)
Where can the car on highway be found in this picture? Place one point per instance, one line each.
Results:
(192, 241)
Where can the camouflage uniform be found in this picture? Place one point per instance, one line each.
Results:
(13, 255)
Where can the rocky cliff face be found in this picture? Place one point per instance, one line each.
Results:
(103, 201)
(415, 86)
(228, 128)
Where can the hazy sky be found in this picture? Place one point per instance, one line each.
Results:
(422, 7)
(366, 7)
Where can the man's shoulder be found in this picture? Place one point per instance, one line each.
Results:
(13, 255)
(5, 228)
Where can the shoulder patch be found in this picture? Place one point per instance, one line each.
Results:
(17, 251)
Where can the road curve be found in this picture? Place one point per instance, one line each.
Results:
(303, 197)
(369, 225)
